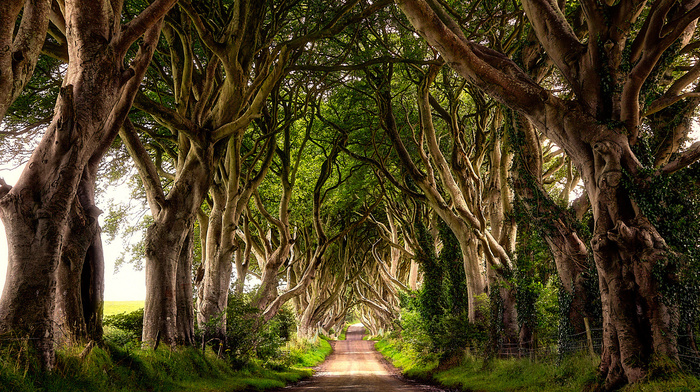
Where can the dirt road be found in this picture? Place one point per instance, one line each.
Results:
(355, 365)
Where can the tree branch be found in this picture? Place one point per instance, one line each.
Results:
(145, 167)
(557, 37)
(167, 117)
(685, 159)
(19, 52)
(204, 34)
(138, 26)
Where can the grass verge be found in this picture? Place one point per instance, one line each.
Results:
(410, 362)
(575, 373)
(128, 368)
(343, 334)
(308, 354)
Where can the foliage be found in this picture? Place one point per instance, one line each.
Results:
(305, 353)
(672, 205)
(538, 290)
(415, 338)
(457, 331)
(125, 327)
(248, 338)
(573, 374)
(455, 280)
(532, 271)
(344, 332)
(547, 310)
(413, 364)
(31, 112)
(496, 327)
(434, 321)
(431, 301)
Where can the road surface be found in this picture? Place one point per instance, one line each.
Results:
(355, 365)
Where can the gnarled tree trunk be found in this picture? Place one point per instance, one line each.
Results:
(637, 323)
(80, 272)
(596, 129)
(166, 240)
(214, 287)
(96, 94)
(183, 292)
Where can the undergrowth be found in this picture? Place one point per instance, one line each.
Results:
(307, 354)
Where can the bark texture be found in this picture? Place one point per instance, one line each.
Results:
(80, 273)
(168, 251)
(20, 51)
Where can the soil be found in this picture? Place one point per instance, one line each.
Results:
(355, 365)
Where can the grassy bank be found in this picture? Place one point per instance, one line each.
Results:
(310, 354)
(114, 368)
(411, 363)
(575, 373)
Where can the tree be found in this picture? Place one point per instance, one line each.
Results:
(96, 95)
(608, 72)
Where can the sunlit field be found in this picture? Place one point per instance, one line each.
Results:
(116, 307)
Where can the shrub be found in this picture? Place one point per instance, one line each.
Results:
(124, 328)
(248, 337)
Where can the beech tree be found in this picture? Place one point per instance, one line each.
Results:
(608, 66)
(325, 298)
(96, 95)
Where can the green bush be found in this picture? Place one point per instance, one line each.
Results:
(248, 337)
(434, 320)
(124, 328)
(304, 353)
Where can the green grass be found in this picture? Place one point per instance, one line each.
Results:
(116, 369)
(344, 332)
(116, 307)
(506, 375)
(129, 368)
(576, 373)
(406, 360)
(307, 354)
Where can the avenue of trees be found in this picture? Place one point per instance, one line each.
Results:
(448, 160)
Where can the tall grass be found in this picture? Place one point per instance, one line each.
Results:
(114, 368)
(413, 364)
(308, 354)
(503, 375)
